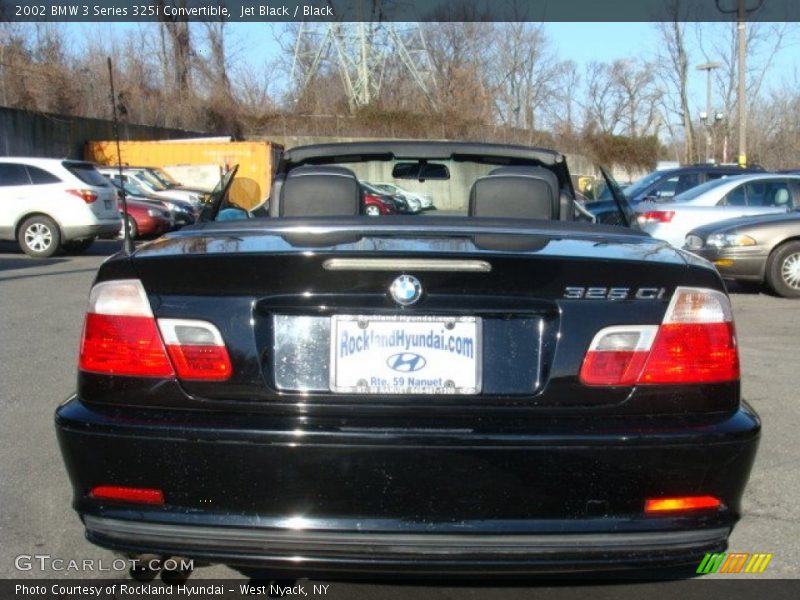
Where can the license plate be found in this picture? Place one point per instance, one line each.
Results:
(405, 355)
(107, 203)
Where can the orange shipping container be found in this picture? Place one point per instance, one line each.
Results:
(257, 161)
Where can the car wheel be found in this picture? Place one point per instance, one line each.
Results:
(78, 246)
(39, 237)
(133, 229)
(372, 211)
(783, 270)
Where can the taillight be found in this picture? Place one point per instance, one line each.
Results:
(617, 355)
(695, 343)
(656, 216)
(87, 196)
(196, 349)
(122, 337)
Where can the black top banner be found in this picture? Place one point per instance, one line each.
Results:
(396, 10)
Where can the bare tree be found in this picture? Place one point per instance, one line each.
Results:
(460, 64)
(566, 99)
(176, 55)
(673, 67)
(634, 84)
(602, 109)
(527, 69)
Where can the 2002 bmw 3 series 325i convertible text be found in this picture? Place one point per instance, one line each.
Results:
(502, 386)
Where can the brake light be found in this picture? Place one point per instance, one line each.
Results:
(87, 196)
(128, 494)
(680, 503)
(656, 216)
(696, 343)
(122, 337)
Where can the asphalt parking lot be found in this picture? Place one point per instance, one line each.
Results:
(42, 304)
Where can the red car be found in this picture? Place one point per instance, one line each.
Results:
(374, 205)
(147, 219)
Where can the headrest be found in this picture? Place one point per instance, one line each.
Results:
(516, 192)
(312, 191)
(781, 197)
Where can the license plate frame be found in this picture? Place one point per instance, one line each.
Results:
(451, 373)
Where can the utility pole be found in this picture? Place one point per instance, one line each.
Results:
(708, 119)
(741, 40)
(741, 35)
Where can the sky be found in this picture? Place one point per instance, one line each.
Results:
(254, 44)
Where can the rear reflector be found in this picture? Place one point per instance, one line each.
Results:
(122, 337)
(696, 343)
(128, 494)
(680, 503)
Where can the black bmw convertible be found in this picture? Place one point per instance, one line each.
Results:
(502, 387)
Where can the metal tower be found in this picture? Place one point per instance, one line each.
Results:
(359, 52)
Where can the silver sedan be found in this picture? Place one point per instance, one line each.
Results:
(718, 200)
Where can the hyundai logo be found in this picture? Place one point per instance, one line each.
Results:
(406, 362)
(406, 290)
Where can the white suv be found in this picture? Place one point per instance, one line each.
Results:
(47, 204)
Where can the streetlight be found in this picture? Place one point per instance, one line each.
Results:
(708, 67)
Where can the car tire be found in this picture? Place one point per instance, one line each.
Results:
(372, 211)
(133, 229)
(77, 246)
(783, 270)
(39, 237)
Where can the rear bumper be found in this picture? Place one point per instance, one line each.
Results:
(354, 552)
(102, 229)
(254, 492)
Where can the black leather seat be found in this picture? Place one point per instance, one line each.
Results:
(312, 191)
(516, 192)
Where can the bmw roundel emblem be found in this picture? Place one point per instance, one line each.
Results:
(406, 290)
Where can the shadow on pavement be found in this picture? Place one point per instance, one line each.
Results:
(26, 262)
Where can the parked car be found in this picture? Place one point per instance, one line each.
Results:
(145, 219)
(403, 204)
(47, 204)
(375, 205)
(663, 186)
(182, 213)
(425, 200)
(718, 200)
(150, 184)
(170, 182)
(756, 250)
(507, 390)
